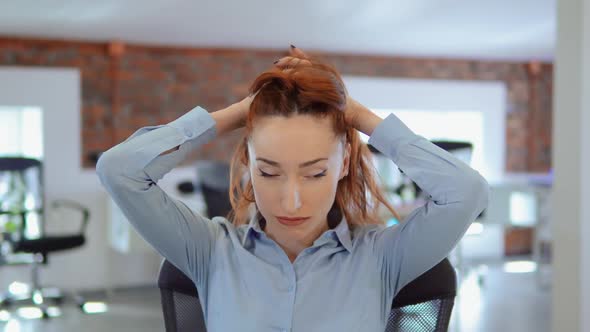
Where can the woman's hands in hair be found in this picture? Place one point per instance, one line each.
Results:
(232, 117)
(296, 58)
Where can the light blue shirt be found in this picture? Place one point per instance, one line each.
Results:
(345, 281)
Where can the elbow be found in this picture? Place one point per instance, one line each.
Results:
(479, 193)
(103, 163)
(106, 166)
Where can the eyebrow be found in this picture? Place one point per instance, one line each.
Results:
(305, 164)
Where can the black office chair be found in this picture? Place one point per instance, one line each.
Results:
(214, 186)
(24, 176)
(217, 201)
(180, 301)
(425, 304)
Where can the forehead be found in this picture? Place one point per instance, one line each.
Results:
(297, 138)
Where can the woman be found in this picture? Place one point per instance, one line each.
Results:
(313, 256)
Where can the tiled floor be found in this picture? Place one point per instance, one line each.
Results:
(504, 303)
(135, 310)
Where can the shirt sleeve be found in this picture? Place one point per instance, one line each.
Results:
(457, 195)
(129, 172)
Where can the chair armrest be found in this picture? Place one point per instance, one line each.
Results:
(74, 206)
(19, 212)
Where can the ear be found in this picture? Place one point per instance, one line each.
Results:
(346, 161)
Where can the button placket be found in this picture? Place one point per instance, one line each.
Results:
(290, 274)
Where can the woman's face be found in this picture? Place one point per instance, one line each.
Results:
(295, 166)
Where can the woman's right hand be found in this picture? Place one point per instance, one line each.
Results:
(243, 107)
(232, 117)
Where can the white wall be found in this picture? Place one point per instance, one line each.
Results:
(571, 162)
(444, 95)
(96, 265)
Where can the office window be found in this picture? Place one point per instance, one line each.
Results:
(465, 126)
(523, 208)
(21, 132)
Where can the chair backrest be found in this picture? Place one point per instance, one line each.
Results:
(216, 200)
(22, 180)
(214, 177)
(180, 301)
(22, 177)
(425, 304)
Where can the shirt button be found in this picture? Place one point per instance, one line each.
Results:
(188, 132)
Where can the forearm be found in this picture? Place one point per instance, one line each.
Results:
(226, 120)
(142, 151)
(443, 176)
(364, 119)
(229, 118)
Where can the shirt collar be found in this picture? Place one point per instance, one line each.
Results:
(342, 232)
(253, 227)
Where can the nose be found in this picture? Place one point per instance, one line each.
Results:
(291, 198)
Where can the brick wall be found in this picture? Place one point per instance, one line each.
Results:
(128, 86)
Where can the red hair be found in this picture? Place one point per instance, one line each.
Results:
(315, 89)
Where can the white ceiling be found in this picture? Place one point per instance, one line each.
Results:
(492, 29)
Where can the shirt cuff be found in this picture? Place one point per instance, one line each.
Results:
(196, 123)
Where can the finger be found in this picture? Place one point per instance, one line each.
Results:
(287, 61)
(253, 95)
(290, 65)
(281, 62)
(296, 52)
(293, 62)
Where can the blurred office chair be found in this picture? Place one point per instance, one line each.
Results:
(180, 301)
(21, 204)
(213, 182)
(425, 304)
(216, 200)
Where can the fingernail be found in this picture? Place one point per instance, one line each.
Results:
(292, 46)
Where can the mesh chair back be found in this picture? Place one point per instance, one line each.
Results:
(425, 304)
(427, 316)
(180, 302)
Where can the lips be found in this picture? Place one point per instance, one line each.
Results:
(292, 221)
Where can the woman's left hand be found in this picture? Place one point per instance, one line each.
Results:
(296, 58)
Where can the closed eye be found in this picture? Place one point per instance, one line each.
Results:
(320, 175)
(266, 175)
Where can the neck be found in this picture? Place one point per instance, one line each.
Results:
(292, 246)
